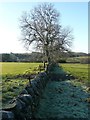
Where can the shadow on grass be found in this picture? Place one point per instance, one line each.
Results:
(63, 99)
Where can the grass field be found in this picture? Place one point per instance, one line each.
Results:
(15, 68)
(80, 71)
(11, 87)
(10, 68)
(81, 59)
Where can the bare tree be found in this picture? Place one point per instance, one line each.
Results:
(42, 27)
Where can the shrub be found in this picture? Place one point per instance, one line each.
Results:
(40, 68)
(62, 61)
(85, 60)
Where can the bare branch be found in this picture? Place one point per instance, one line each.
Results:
(42, 26)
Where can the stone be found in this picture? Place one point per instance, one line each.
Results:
(30, 90)
(19, 109)
(26, 98)
(24, 91)
(36, 92)
(33, 86)
(37, 79)
(42, 74)
(43, 77)
(39, 83)
(27, 113)
(20, 105)
(34, 82)
(88, 89)
(7, 115)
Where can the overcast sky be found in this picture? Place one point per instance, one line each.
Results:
(73, 14)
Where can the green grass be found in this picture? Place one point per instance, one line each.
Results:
(80, 59)
(10, 85)
(80, 71)
(11, 88)
(13, 69)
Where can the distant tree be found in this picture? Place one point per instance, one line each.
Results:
(42, 27)
(13, 57)
(6, 57)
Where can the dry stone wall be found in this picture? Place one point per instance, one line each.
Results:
(25, 104)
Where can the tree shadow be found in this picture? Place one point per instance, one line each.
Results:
(63, 99)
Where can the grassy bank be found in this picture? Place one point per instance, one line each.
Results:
(80, 71)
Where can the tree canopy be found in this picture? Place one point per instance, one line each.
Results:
(42, 27)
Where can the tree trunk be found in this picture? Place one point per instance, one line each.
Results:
(48, 57)
(44, 65)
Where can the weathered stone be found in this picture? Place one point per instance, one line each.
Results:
(27, 113)
(18, 109)
(26, 98)
(39, 83)
(7, 115)
(36, 95)
(35, 90)
(37, 79)
(24, 92)
(42, 74)
(43, 78)
(33, 86)
(30, 90)
(34, 82)
(20, 105)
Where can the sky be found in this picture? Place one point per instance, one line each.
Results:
(73, 14)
